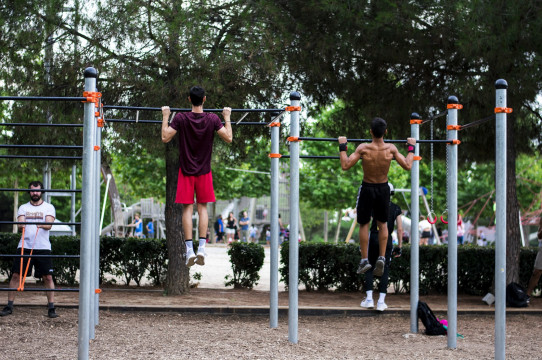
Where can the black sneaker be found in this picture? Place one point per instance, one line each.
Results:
(364, 266)
(52, 314)
(379, 266)
(7, 311)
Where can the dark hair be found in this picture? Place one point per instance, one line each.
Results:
(35, 183)
(378, 126)
(196, 95)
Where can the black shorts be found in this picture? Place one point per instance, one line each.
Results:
(42, 266)
(426, 234)
(373, 201)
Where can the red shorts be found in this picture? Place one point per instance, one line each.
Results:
(202, 185)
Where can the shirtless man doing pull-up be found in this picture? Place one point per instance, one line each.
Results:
(374, 193)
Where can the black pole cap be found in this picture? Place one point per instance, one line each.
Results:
(415, 116)
(453, 100)
(294, 95)
(90, 72)
(501, 84)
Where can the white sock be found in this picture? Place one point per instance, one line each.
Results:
(382, 297)
(202, 242)
(365, 259)
(189, 246)
(370, 294)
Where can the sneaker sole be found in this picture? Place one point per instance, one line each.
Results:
(200, 260)
(191, 261)
(385, 307)
(364, 269)
(379, 268)
(368, 307)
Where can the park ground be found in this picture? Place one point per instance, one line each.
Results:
(214, 322)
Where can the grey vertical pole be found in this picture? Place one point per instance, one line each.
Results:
(414, 233)
(87, 199)
(501, 87)
(96, 264)
(453, 105)
(73, 187)
(295, 98)
(274, 253)
(94, 220)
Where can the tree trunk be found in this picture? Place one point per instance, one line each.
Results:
(513, 235)
(178, 275)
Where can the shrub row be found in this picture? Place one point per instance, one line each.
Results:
(324, 266)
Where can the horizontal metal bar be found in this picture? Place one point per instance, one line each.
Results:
(41, 124)
(41, 190)
(39, 223)
(369, 140)
(41, 256)
(41, 157)
(42, 98)
(312, 157)
(11, 146)
(40, 289)
(141, 108)
(159, 122)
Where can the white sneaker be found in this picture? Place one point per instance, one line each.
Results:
(367, 303)
(190, 258)
(381, 306)
(201, 257)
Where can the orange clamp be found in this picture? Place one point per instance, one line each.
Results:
(96, 113)
(454, 142)
(454, 106)
(96, 148)
(503, 110)
(453, 127)
(92, 96)
(274, 123)
(417, 158)
(415, 121)
(293, 139)
(272, 155)
(101, 123)
(97, 291)
(293, 108)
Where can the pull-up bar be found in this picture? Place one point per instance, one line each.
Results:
(160, 121)
(42, 98)
(41, 190)
(369, 140)
(43, 157)
(10, 146)
(140, 108)
(41, 124)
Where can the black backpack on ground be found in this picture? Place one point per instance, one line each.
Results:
(516, 296)
(429, 320)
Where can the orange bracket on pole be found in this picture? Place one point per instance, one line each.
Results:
(415, 121)
(454, 106)
(453, 127)
(101, 123)
(417, 158)
(293, 108)
(503, 110)
(293, 139)
(92, 96)
(97, 291)
(274, 123)
(273, 155)
(96, 148)
(454, 142)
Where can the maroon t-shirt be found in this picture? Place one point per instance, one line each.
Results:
(196, 133)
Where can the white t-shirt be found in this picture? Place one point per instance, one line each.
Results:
(33, 213)
(424, 224)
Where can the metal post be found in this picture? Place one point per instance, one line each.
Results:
(453, 106)
(87, 199)
(274, 251)
(96, 264)
(295, 98)
(501, 87)
(73, 187)
(414, 233)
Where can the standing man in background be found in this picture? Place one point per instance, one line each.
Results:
(196, 131)
(35, 241)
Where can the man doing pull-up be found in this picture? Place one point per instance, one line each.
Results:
(374, 192)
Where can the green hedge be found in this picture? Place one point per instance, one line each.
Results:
(324, 266)
(127, 258)
(246, 262)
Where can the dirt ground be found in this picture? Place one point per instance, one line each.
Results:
(148, 325)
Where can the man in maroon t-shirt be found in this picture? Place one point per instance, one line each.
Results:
(196, 132)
